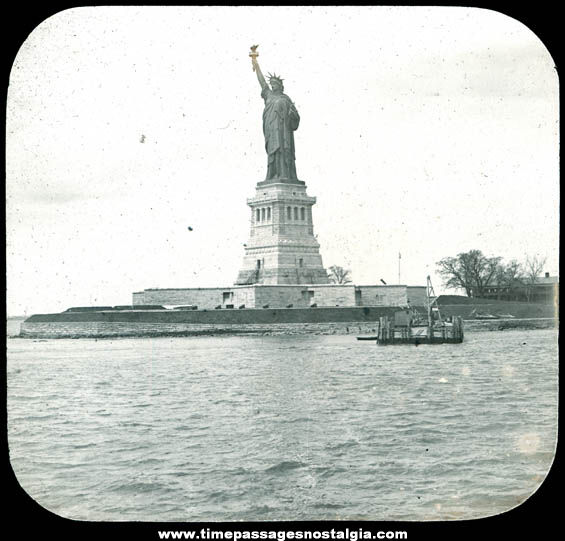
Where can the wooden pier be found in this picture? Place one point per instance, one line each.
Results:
(446, 332)
(410, 327)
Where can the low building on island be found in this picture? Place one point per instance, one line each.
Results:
(283, 296)
(544, 289)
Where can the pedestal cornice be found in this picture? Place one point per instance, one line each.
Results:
(286, 182)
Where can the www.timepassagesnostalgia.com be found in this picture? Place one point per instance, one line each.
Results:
(205, 534)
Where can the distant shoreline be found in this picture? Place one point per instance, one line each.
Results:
(344, 329)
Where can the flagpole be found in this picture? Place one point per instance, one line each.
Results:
(399, 268)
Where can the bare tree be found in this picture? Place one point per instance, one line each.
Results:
(339, 275)
(533, 269)
(510, 279)
(471, 271)
(513, 273)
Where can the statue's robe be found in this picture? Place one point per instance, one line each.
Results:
(280, 120)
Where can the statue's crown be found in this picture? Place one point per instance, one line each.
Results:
(275, 77)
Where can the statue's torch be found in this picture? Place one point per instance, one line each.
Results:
(253, 54)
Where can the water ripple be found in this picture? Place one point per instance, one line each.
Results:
(282, 428)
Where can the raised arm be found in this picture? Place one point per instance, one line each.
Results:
(257, 70)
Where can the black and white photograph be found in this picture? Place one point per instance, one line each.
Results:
(271, 264)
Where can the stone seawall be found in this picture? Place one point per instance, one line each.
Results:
(362, 320)
(132, 329)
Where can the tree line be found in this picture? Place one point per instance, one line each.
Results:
(474, 273)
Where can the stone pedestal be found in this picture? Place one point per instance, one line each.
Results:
(282, 248)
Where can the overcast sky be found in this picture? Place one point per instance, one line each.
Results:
(424, 131)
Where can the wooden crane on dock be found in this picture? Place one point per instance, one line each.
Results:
(432, 307)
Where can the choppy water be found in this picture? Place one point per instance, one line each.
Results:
(282, 427)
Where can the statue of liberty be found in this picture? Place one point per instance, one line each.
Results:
(280, 120)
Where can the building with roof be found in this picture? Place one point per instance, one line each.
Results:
(544, 289)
